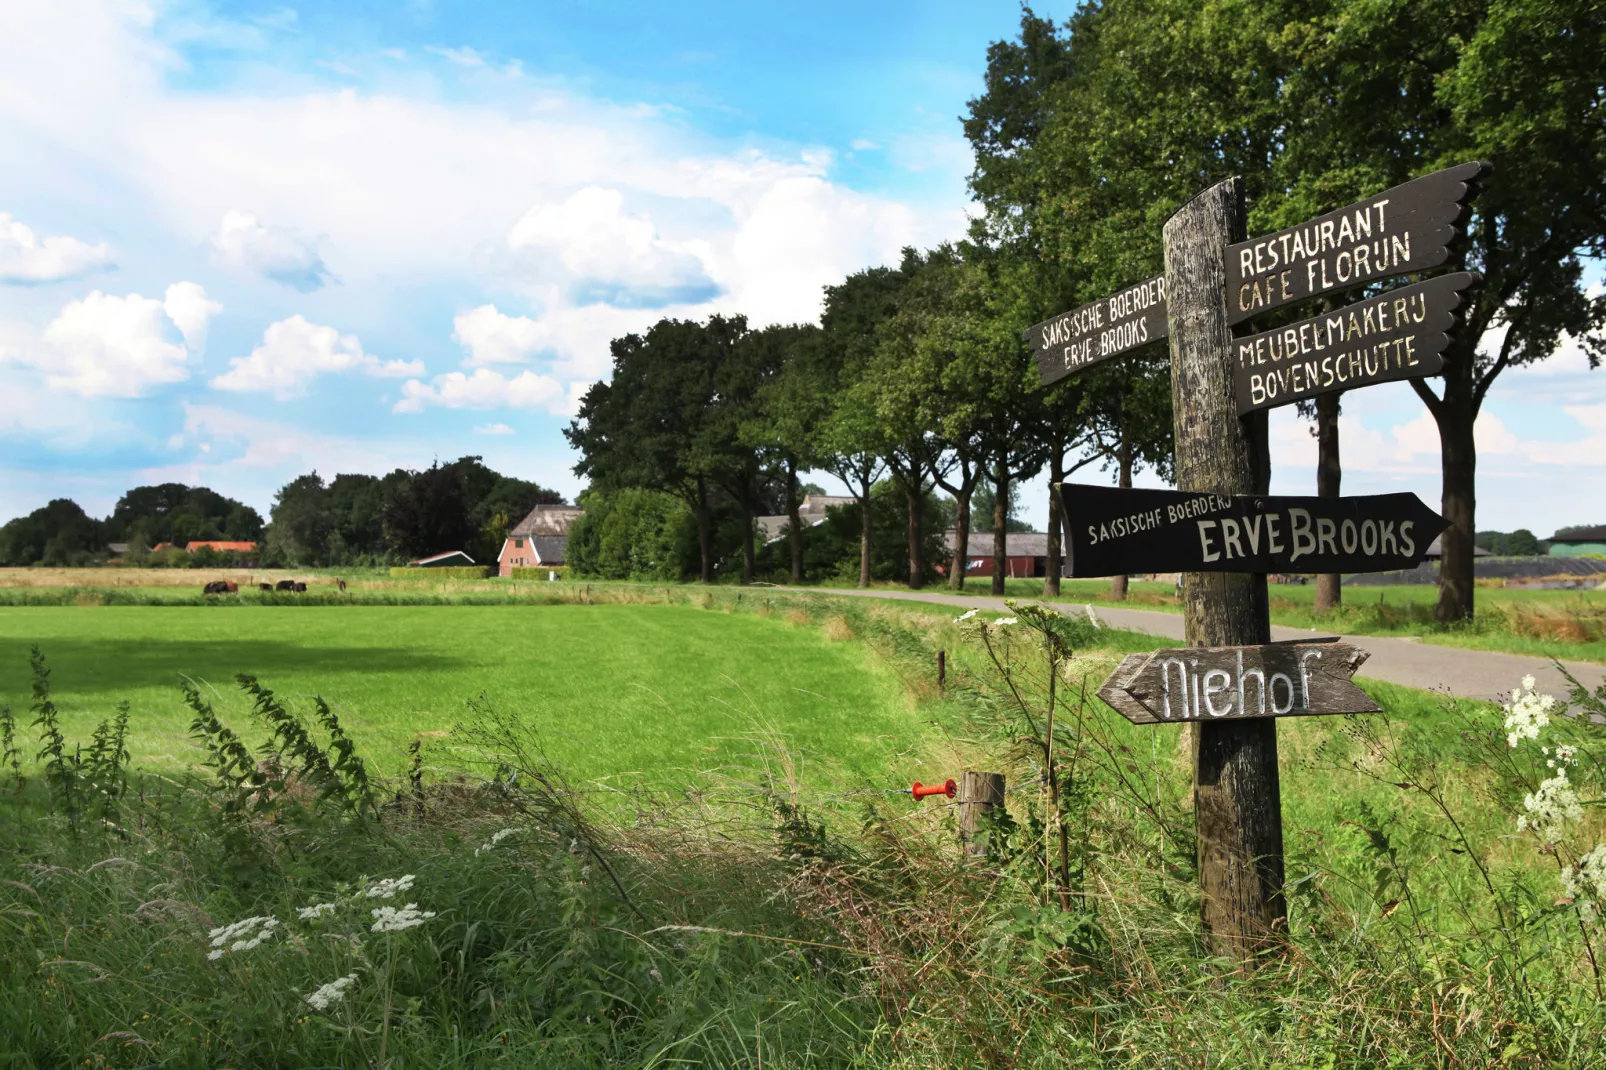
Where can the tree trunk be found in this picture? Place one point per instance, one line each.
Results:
(705, 533)
(1329, 474)
(1056, 476)
(1000, 526)
(1456, 415)
(1237, 796)
(794, 534)
(956, 572)
(917, 551)
(749, 551)
(1123, 457)
(864, 536)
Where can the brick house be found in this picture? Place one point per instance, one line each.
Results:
(1025, 554)
(539, 539)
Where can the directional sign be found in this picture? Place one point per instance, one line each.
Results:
(1401, 334)
(1108, 327)
(1217, 683)
(1118, 532)
(1404, 229)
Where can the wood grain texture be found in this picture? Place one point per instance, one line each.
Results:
(979, 793)
(1237, 796)
(1275, 680)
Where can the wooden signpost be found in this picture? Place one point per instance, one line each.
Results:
(1116, 532)
(1110, 326)
(1220, 527)
(1271, 680)
(1400, 334)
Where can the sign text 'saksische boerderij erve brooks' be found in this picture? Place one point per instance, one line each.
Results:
(1118, 532)
(1404, 229)
(1213, 683)
(1106, 328)
(1401, 334)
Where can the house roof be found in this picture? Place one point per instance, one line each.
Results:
(547, 520)
(1016, 544)
(221, 545)
(549, 549)
(441, 559)
(812, 510)
(1594, 534)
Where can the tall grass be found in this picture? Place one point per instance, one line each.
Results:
(756, 922)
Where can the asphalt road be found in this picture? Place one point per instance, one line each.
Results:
(1446, 669)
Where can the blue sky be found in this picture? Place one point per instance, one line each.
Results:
(239, 241)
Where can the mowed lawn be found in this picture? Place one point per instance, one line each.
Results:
(644, 694)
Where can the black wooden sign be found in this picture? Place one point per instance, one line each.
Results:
(1106, 328)
(1116, 532)
(1401, 334)
(1401, 230)
(1218, 683)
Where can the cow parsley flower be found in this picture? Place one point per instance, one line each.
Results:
(1548, 807)
(392, 920)
(1004, 622)
(244, 935)
(1586, 882)
(316, 911)
(966, 616)
(387, 889)
(494, 841)
(1527, 712)
(328, 995)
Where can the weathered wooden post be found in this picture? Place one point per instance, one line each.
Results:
(942, 671)
(978, 794)
(1237, 801)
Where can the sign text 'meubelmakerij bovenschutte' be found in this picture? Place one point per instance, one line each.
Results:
(1400, 334)
(1115, 532)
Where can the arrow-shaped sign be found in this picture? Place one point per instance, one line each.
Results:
(1401, 334)
(1117, 532)
(1217, 683)
(1108, 327)
(1403, 229)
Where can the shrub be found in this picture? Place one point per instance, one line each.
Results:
(445, 572)
(633, 534)
(538, 572)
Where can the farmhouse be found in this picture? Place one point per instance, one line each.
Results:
(1025, 554)
(1580, 542)
(811, 511)
(542, 538)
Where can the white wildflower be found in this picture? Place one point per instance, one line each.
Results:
(494, 841)
(392, 920)
(387, 889)
(1554, 803)
(1586, 882)
(965, 616)
(245, 935)
(1004, 622)
(1567, 755)
(1527, 712)
(315, 911)
(331, 993)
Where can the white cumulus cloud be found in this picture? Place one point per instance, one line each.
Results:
(494, 429)
(278, 253)
(108, 346)
(599, 253)
(294, 352)
(484, 389)
(26, 258)
(493, 337)
(187, 305)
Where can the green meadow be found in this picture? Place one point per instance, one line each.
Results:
(635, 693)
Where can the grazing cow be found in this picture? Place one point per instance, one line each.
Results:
(215, 587)
(264, 586)
(342, 585)
(230, 587)
(300, 588)
(285, 585)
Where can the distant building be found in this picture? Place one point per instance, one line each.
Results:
(1579, 543)
(1435, 550)
(222, 546)
(542, 538)
(449, 558)
(1025, 554)
(811, 511)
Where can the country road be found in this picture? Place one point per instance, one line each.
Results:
(1446, 669)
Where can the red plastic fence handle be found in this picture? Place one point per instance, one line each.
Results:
(920, 791)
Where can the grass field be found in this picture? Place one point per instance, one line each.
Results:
(631, 692)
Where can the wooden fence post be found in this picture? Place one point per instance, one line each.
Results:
(942, 671)
(1237, 801)
(978, 794)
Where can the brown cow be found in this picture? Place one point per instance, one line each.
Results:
(264, 586)
(342, 585)
(299, 588)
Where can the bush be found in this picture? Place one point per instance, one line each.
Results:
(445, 572)
(633, 534)
(538, 572)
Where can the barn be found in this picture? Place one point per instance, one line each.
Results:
(542, 538)
(1025, 554)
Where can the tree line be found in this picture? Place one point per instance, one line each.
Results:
(1087, 136)
(352, 519)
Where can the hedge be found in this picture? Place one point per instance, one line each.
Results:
(538, 572)
(444, 572)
